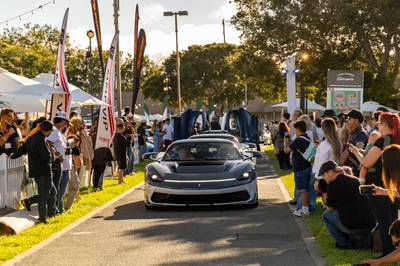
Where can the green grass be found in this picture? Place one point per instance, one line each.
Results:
(10, 246)
(332, 255)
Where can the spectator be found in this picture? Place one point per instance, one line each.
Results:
(93, 131)
(320, 133)
(279, 145)
(73, 114)
(384, 210)
(375, 120)
(61, 163)
(156, 132)
(167, 134)
(8, 131)
(120, 144)
(130, 133)
(286, 118)
(347, 211)
(301, 167)
(141, 131)
(358, 137)
(328, 150)
(215, 124)
(295, 116)
(394, 233)
(21, 128)
(74, 135)
(40, 158)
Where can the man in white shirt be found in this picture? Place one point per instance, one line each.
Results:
(167, 134)
(62, 161)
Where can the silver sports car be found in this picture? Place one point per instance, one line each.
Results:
(196, 172)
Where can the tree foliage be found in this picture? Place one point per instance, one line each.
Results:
(338, 34)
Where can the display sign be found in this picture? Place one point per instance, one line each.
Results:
(345, 90)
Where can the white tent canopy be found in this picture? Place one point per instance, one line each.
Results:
(372, 106)
(79, 97)
(24, 103)
(311, 105)
(11, 83)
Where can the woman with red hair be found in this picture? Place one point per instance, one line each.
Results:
(385, 211)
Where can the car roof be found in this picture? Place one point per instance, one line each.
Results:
(213, 136)
(203, 140)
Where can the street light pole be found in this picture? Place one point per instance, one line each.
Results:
(178, 72)
(90, 35)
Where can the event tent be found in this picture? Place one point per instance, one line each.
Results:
(372, 106)
(311, 105)
(11, 83)
(79, 97)
(24, 103)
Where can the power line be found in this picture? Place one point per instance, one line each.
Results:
(28, 12)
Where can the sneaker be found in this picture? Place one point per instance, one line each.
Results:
(301, 213)
(26, 204)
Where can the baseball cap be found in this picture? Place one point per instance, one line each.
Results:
(327, 166)
(356, 114)
(62, 115)
(329, 113)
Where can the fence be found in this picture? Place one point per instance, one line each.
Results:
(11, 177)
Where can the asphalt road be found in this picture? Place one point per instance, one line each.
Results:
(128, 234)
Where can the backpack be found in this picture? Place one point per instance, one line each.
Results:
(309, 153)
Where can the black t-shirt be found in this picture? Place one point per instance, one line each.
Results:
(354, 211)
(142, 135)
(359, 138)
(374, 175)
(300, 144)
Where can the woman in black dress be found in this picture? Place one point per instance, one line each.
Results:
(120, 144)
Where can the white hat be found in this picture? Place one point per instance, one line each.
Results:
(62, 115)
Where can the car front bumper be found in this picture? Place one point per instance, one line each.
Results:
(236, 195)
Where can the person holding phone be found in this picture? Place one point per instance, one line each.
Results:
(385, 211)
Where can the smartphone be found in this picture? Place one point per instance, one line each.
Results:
(366, 189)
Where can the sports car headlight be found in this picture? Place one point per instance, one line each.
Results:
(154, 177)
(245, 175)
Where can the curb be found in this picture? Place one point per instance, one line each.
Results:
(83, 219)
(306, 235)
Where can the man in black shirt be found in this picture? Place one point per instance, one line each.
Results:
(358, 137)
(347, 211)
(141, 131)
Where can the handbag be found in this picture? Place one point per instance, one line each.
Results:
(309, 153)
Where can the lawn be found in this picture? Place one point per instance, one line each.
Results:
(332, 255)
(10, 246)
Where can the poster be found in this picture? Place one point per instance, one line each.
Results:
(345, 90)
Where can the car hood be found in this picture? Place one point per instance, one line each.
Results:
(195, 170)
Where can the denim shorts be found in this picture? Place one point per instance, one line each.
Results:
(302, 179)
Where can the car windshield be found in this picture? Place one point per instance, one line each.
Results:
(202, 151)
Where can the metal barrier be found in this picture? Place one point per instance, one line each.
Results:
(11, 177)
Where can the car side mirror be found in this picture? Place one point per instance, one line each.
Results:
(150, 156)
(254, 154)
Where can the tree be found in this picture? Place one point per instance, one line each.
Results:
(338, 34)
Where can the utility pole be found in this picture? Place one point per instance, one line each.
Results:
(118, 61)
(223, 29)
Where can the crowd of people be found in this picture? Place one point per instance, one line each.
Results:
(60, 152)
(351, 162)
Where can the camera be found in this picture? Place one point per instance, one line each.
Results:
(366, 189)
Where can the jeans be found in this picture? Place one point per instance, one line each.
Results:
(57, 172)
(46, 197)
(304, 179)
(62, 188)
(131, 160)
(335, 227)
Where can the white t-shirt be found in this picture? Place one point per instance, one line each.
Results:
(60, 144)
(324, 153)
(168, 132)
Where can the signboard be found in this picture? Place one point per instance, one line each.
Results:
(345, 90)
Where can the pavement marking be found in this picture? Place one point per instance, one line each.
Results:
(306, 235)
(44, 243)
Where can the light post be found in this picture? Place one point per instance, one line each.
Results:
(90, 35)
(176, 14)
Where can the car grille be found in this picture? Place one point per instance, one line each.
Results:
(200, 199)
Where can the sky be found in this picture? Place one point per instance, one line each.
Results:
(202, 26)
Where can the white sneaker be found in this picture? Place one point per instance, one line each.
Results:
(301, 213)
